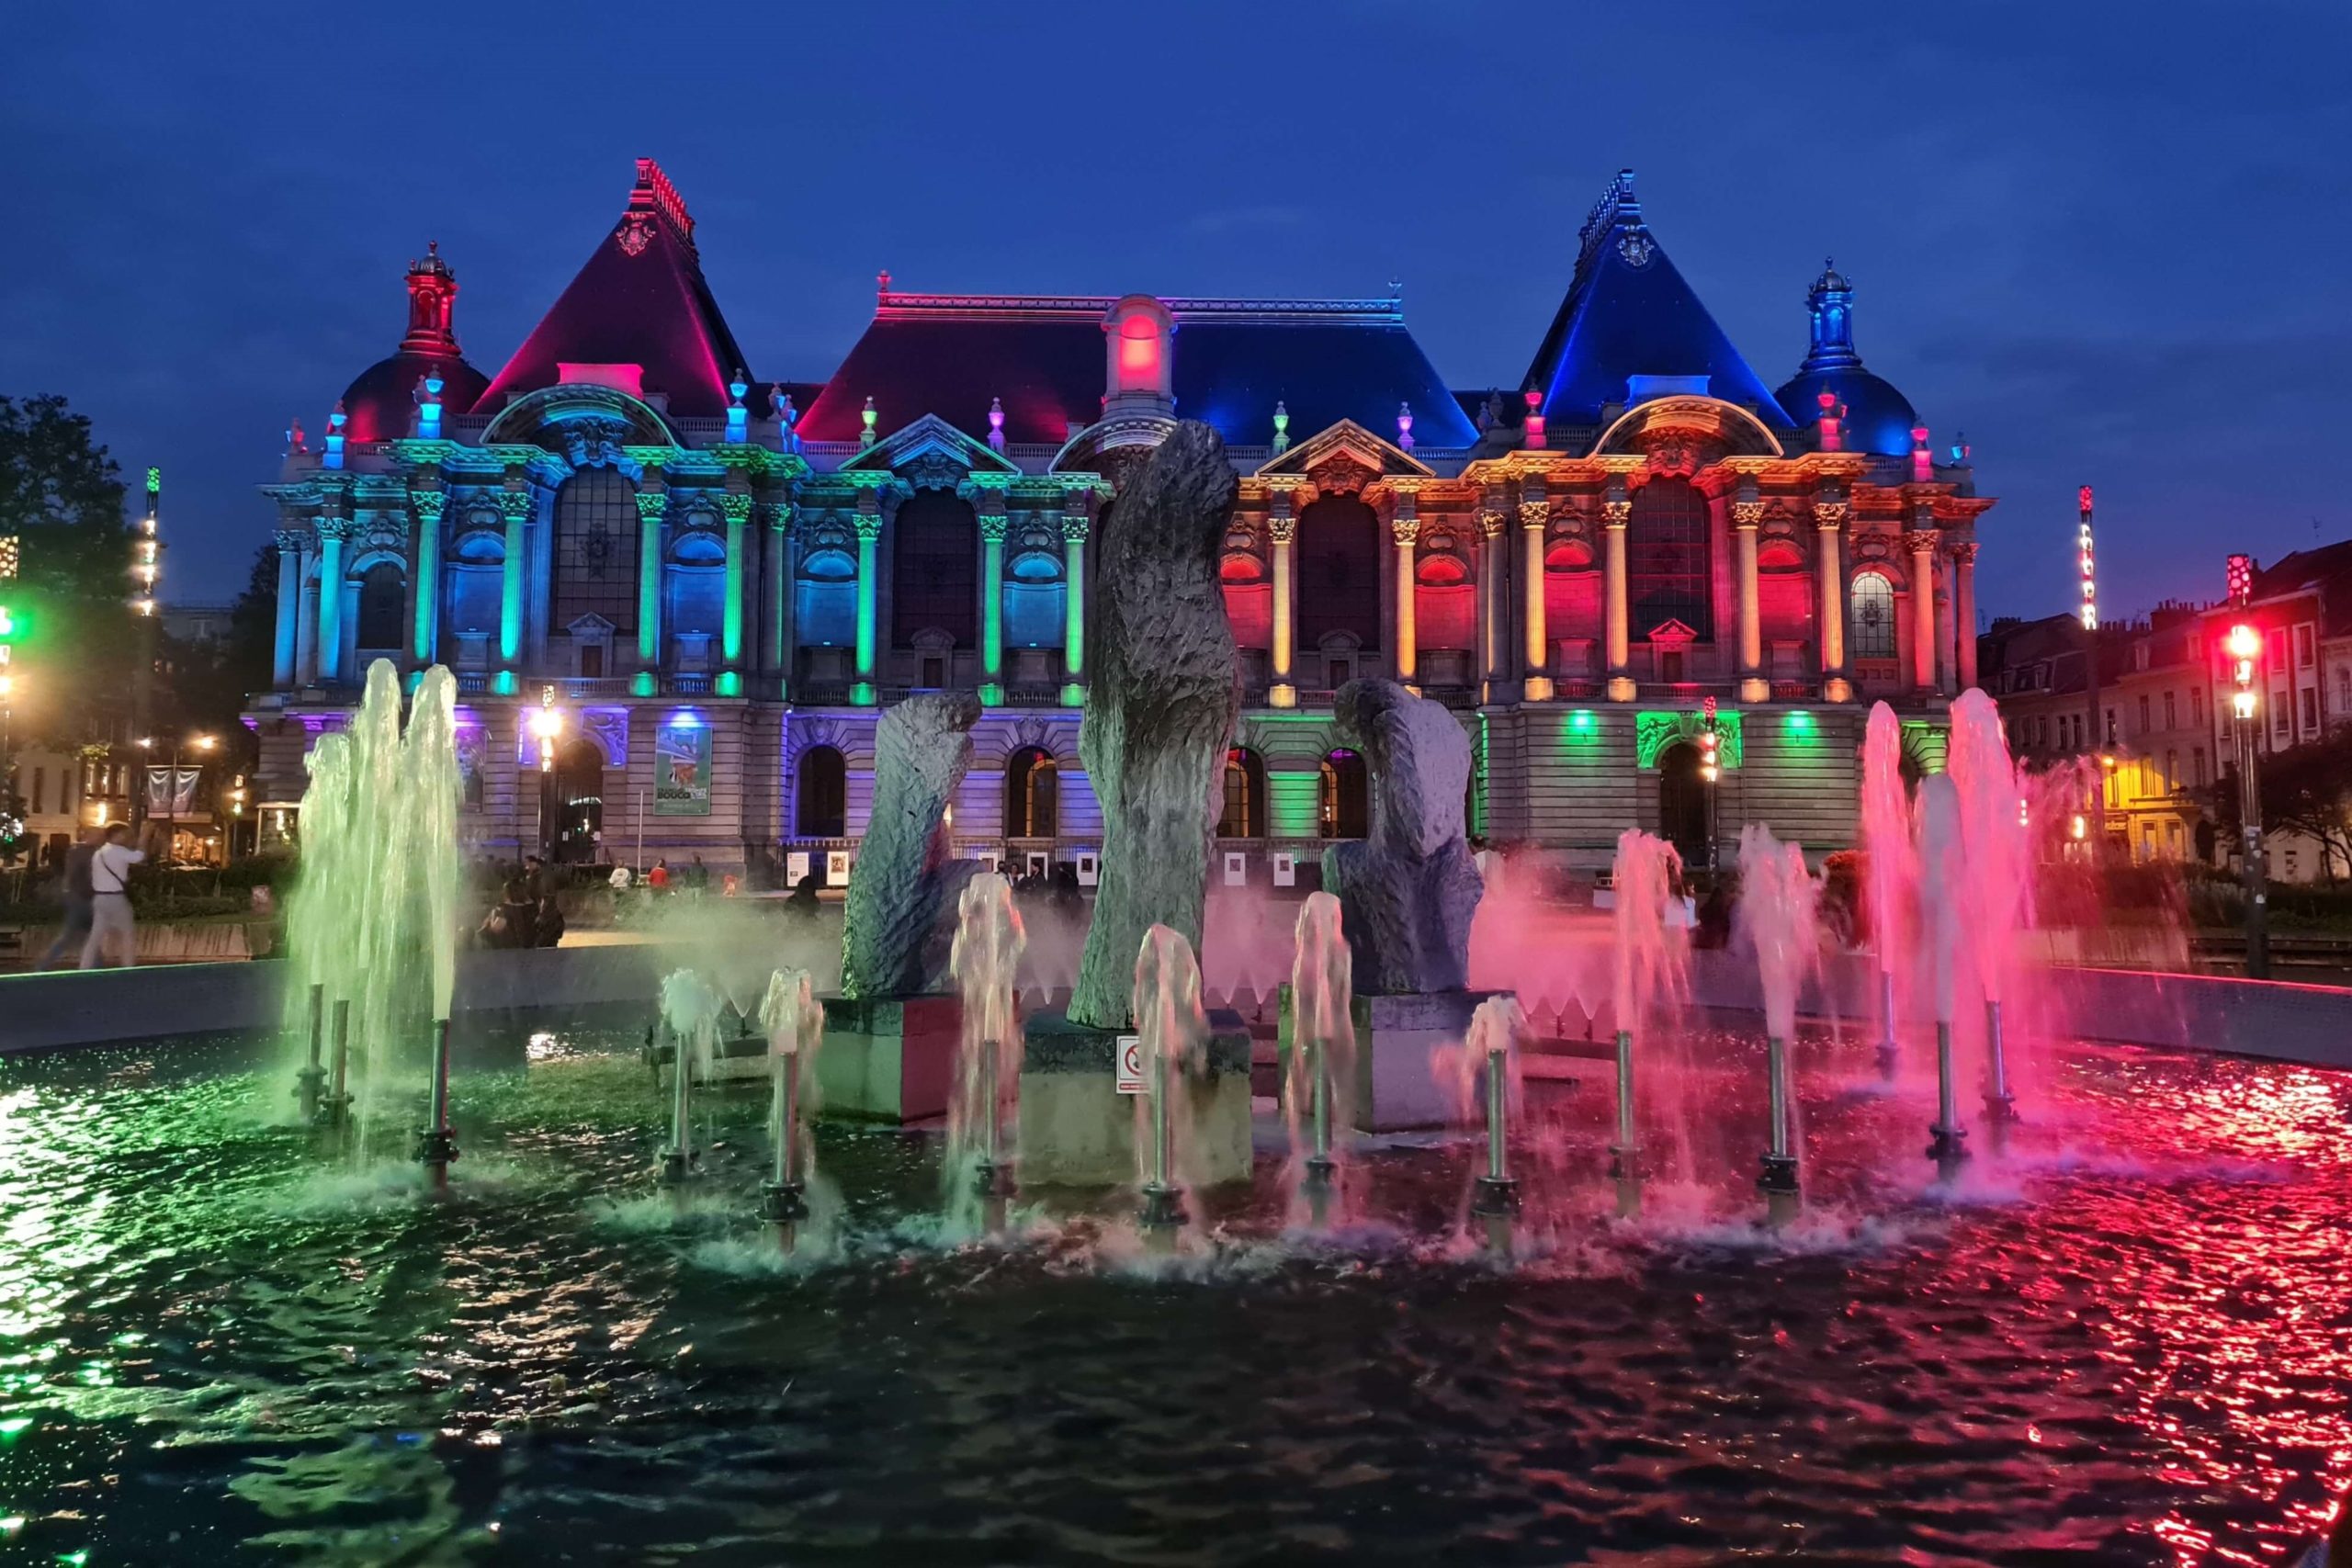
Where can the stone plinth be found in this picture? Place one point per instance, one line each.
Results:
(1395, 1039)
(888, 1058)
(1078, 1130)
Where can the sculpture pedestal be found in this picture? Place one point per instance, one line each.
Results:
(888, 1058)
(1395, 1039)
(1078, 1130)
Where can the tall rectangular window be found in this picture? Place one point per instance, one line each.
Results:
(597, 549)
(2172, 716)
(2311, 707)
(2303, 646)
(2196, 760)
(2145, 726)
(41, 790)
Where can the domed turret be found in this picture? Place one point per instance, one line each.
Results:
(1878, 418)
(381, 403)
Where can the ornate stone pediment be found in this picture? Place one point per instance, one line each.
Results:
(1344, 459)
(930, 454)
(1678, 434)
(1672, 633)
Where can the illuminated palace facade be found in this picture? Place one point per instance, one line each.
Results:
(717, 582)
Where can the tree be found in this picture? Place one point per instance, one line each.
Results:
(60, 496)
(2306, 789)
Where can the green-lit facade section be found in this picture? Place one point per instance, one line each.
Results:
(1293, 803)
(1653, 731)
(428, 572)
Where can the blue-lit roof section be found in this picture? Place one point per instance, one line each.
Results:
(1631, 327)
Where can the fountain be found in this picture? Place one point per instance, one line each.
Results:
(1321, 1055)
(986, 961)
(1160, 709)
(690, 1012)
(1408, 893)
(794, 1022)
(1777, 899)
(373, 921)
(1944, 870)
(1995, 868)
(1171, 1030)
(1642, 882)
(895, 1037)
(1492, 1045)
(311, 1082)
(1893, 863)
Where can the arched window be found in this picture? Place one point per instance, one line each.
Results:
(382, 587)
(1344, 810)
(475, 582)
(1870, 616)
(1666, 557)
(934, 568)
(821, 794)
(1338, 549)
(596, 532)
(1032, 795)
(697, 585)
(1245, 796)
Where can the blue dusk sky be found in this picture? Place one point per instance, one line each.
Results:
(2107, 242)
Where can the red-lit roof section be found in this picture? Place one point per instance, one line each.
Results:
(639, 301)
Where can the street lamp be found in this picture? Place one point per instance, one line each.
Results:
(1709, 768)
(2244, 649)
(546, 728)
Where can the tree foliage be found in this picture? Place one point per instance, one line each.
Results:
(2306, 789)
(61, 495)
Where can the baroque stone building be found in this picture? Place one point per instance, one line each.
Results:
(714, 582)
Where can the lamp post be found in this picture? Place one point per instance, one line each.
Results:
(2086, 564)
(2244, 649)
(547, 727)
(1709, 768)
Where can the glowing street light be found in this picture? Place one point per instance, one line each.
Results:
(2244, 646)
(546, 726)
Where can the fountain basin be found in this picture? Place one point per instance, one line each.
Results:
(1078, 1130)
(1395, 1035)
(888, 1058)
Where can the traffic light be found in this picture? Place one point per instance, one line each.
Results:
(2245, 647)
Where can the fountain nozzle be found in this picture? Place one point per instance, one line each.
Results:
(312, 1079)
(436, 1145)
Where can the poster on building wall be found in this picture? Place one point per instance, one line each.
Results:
(837, 868)
(1286, 869)
(796, 867)
(1088, 871)
(1236, 868)
(682, 771)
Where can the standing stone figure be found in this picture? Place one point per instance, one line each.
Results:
(1408, 891)
(904, 881)
(1161, 710)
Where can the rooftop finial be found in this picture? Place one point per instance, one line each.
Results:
(1405, 426)
(1831, 303)
(1282, 428)
(882, 284)
(996, 424)
(654, 194)
(866, 421)
(432, 305)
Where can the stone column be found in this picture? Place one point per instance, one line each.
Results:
(1963, 610)
(993, 526)
(306, 621)
(1405, 528)
(333, 532)
(515, 509)
(427, 506)
(736, 507)
(1073, 606)
(869, 539)
(1281, 530)
(1534, 514)
(1829, 567)
(1921, 542)
(1747, 516)
(289, 607)
(1493, 635)
(1616, 514)
(652, 505)
(783, 642)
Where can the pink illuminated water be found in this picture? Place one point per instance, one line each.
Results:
(1323, 1043)
(1992, 889)
(986, 963)
(1777, 898)
(1886, 838)
(1173, 1030)
(1943, 862)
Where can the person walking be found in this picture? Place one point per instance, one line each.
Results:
(110, 921)
(75, 890)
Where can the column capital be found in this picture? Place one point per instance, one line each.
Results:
(333, 527)
(1920, 541)
(652, 505)
(1406, 530)
(1965, 552)
(427, 504)
(1074, 527)
(870, 526)
(289, 538)
(780, 516)
(1491, 524)
(1534, 514)
(1744, 514)
(1616, 514)
(514, 505)
(1830, 515)
(736, 507)
(1281, 527)
(994, 526)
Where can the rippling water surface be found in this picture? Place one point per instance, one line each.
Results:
(2128, 1340)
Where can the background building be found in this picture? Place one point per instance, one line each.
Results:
(717, 581)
